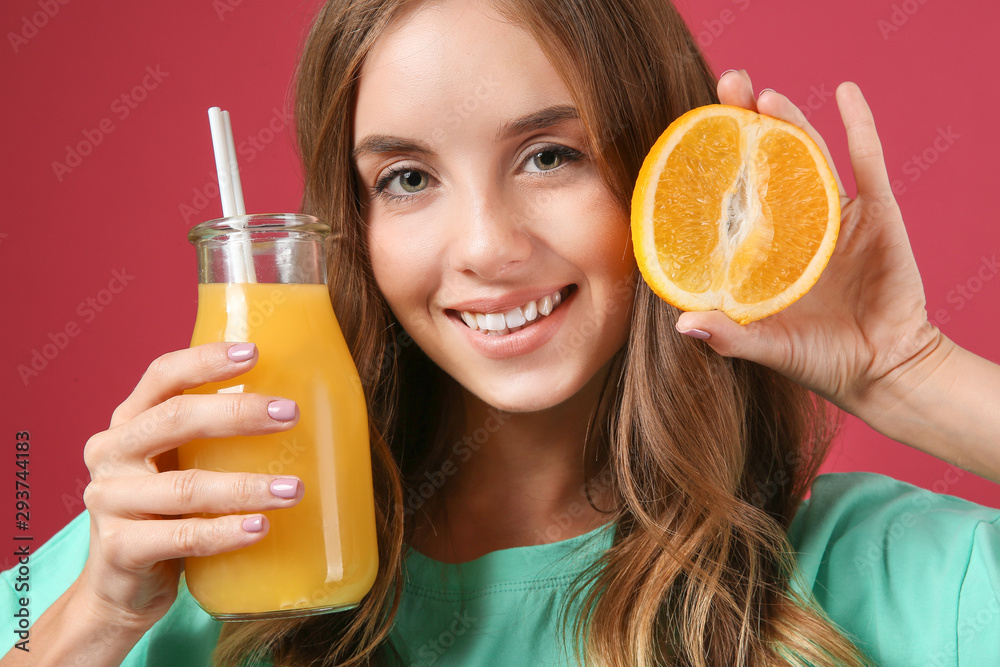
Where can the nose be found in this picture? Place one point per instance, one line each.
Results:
(489, 238)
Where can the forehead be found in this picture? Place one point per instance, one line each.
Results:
(450, 60)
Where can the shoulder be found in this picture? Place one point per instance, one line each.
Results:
(905, 571)
(861, 508)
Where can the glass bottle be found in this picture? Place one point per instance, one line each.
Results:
(320, 555)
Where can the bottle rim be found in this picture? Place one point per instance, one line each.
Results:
(257, 222)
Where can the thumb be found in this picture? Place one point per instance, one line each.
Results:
(754, 342)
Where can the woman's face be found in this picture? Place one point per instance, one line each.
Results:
(483, 205)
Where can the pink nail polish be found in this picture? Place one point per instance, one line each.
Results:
(241, 351)
(285, 487)
(697, 333)
(253, 524)
(282, 410)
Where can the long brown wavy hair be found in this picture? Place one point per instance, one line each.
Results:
(708, 457)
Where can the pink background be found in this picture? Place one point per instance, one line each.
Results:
(927, 67)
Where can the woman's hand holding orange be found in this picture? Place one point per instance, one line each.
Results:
(863, 324)
(860, 337)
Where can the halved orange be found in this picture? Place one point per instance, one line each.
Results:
(734, 211)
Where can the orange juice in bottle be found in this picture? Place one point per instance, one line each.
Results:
(320, 555)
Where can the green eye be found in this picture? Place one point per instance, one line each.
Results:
(413, 181)
(547, 160)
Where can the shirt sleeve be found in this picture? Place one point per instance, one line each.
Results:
(912, 577)
(186, 635)
(40, 577)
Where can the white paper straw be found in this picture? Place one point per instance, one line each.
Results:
(231, 192)
(237, 186)
(222, 161)
(234, 167)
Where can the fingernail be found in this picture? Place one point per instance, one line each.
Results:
(697, 333)
(282, 410)
(253, 524)
(241, 351)
(726, 72)
(285, 487)
(766, 90)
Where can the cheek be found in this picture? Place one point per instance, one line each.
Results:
(590, 229)
(598, 239)
(403, 267)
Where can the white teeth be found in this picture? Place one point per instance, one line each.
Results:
(545, 305)
(498, 324)
(514, 318)
(530, 311)
(494, 322)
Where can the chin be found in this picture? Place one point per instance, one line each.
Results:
(528, 394)
(519, 404)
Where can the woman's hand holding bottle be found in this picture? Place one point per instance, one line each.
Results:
(135, 500)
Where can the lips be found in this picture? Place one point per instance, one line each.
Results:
(522, 340)
(516, 318)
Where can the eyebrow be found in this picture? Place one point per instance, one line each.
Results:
(384, 143)
(532, 122)
(538, 120)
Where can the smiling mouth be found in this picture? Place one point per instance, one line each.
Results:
(515, 319)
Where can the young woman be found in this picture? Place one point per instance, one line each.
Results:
(614, 492)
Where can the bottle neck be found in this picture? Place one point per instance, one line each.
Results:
(275, 257)
(285, 248)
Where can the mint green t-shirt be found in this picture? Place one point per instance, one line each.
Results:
(911, 576)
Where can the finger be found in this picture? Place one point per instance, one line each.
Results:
(752, 342)
(191, 492)
(135, 545)
(174, 372)
(181, 419)
(777, 105)
(734, 88)
(863, 143)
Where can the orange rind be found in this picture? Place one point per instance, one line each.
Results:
(734, 211)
